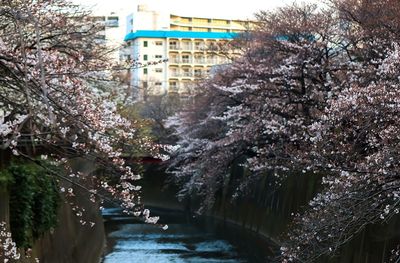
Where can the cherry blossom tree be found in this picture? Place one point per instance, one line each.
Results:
(51, 67)
(356, 140)
(316, 91)
(265, 99)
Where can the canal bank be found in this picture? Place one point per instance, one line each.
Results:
(267, 209)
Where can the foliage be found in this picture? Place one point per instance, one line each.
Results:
(46, 204)
(315, 91)
(34, 202)
(5, 178)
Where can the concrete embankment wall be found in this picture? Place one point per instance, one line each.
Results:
(69, 241)
(267, 208)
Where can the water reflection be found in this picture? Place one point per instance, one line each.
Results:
(130, 241)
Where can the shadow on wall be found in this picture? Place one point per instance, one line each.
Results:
(269, 208)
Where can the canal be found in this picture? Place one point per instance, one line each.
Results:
(186, 240)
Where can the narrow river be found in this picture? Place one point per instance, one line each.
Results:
(184, 241)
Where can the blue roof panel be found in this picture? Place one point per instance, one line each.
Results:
(178, 34)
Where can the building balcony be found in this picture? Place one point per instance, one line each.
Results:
(174, 74)
(237, 25)
(186, 47)
(212, 61)
(200, 61)
(199, 75)
(187, 75)
(186, 61)
(199, 47)
(180, 61)
(174, 47)
(181, 75)
(181, 47)
(174, 61)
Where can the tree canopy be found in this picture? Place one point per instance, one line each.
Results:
(316, 91)
(52, 65)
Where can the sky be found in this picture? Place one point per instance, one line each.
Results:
(234, 9)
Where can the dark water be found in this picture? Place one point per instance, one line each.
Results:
(185, 240)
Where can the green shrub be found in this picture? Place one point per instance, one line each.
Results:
(5, 178)
(34, 202)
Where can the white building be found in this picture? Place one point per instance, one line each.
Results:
(144, 18)
(189, 59)
(187, 43)
(113, 31)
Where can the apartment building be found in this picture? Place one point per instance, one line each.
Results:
(187, 44)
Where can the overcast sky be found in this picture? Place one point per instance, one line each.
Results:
(207, 8)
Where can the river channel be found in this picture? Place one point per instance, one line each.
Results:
(185, 240)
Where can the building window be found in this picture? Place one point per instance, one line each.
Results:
(158, 83)
(198, 45)
(145, 71)
(173, 72)
(145, 43)
(186, 72)
(173, 45)
(159, 43)
(145, 57)
(158, 56)
(101, 37)
(197, 73)
(159, 70)
(185, 59)
(173, 85)
(112, 21)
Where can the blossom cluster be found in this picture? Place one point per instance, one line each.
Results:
(8, 248)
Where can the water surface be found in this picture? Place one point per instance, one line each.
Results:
(132, 241)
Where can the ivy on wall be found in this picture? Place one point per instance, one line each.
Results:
(34, 201)
(5, 178)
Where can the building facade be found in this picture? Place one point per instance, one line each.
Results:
(112, 32)
(175, 51)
